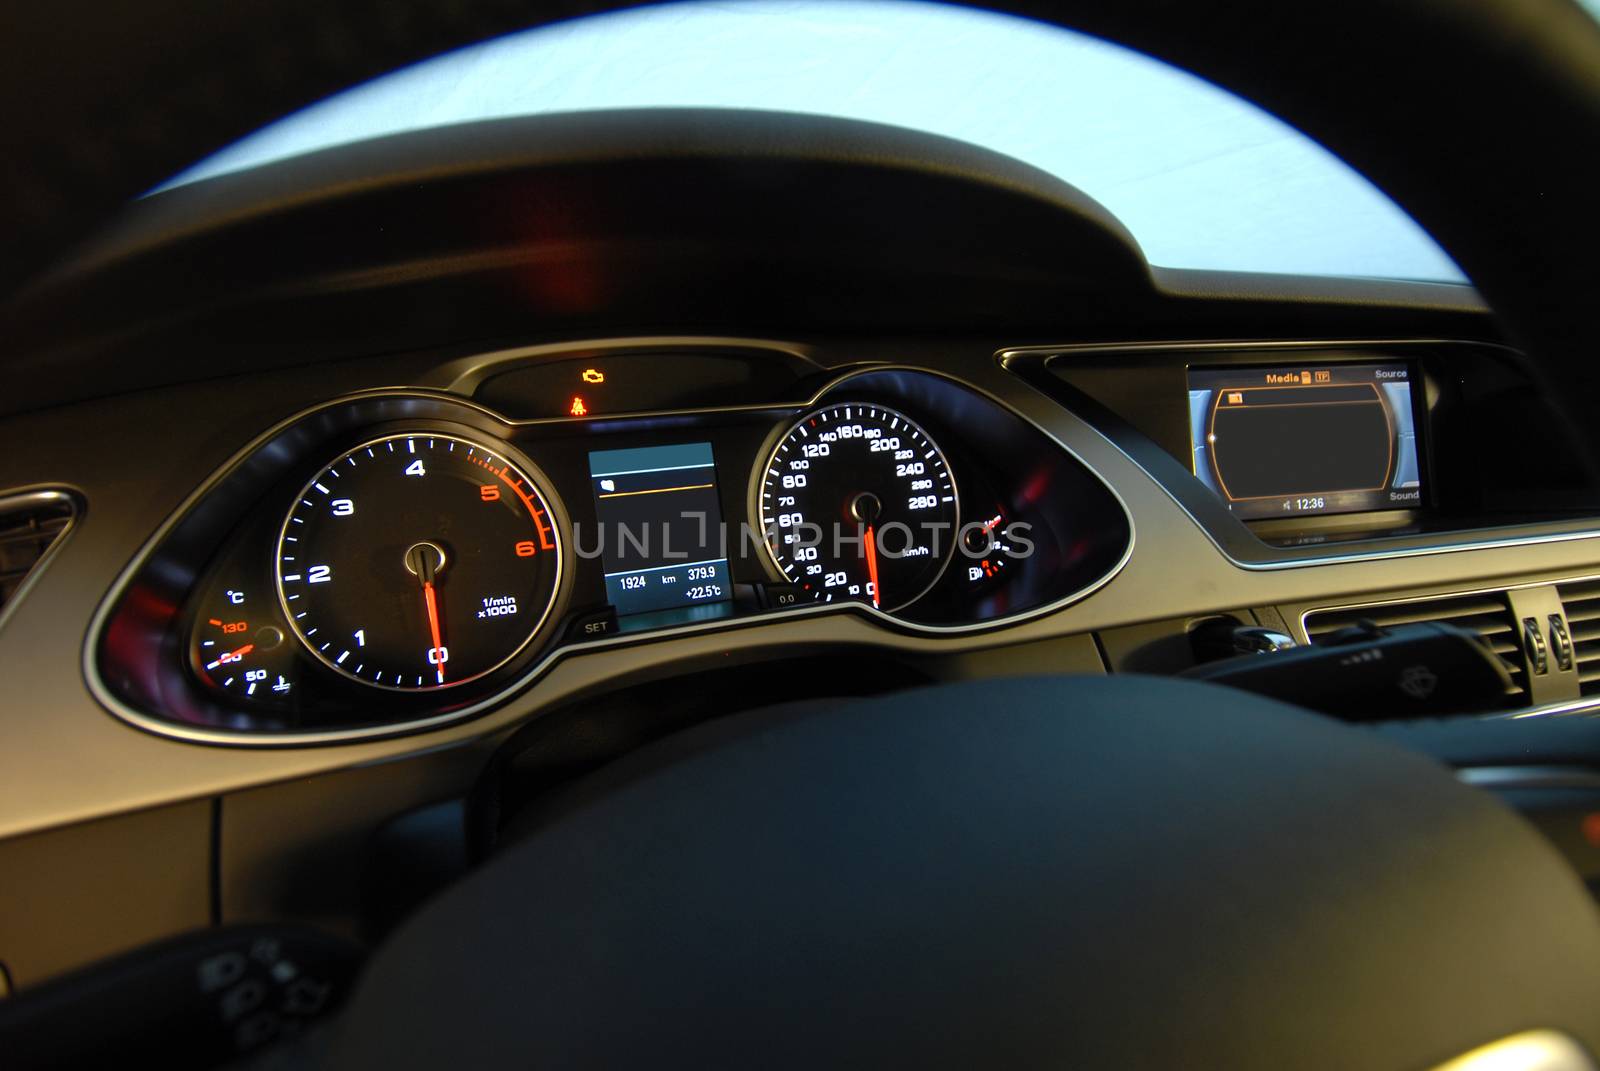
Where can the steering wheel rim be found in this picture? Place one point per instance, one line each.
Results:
(1073, 872)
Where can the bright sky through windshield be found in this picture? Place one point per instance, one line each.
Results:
(1201, 178)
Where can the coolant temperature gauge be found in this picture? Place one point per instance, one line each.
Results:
(236, 648)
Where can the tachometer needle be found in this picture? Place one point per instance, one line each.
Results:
(433, 626)
(232, 656)
(423, 561)
(871, 545)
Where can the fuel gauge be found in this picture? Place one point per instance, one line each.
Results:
(237, 648)
(987, 549)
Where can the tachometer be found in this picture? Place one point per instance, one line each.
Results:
(858, 503)
(418, 561)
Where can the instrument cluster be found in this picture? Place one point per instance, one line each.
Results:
(402, 558)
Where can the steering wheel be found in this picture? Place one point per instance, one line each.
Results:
(1118, 872)
(1121, 872)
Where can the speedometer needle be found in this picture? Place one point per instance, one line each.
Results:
(871, 546)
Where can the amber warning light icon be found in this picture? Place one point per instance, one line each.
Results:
(593, 375)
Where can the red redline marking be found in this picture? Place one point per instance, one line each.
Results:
(546, 533)
(546, 536)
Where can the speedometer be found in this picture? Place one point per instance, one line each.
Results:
(858, 503)
(418, 561)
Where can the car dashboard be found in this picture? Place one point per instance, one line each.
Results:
(261, 614)
(331, 498)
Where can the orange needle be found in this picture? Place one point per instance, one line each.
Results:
(871, 545)
(433, 625)
(233, 656)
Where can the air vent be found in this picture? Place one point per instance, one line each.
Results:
(1488, 615)
(1581, 600)
(29, 524)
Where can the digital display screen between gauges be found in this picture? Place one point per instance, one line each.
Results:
(857, 502)
(418, 561)
(660, 527)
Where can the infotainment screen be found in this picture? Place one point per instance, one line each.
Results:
(660, 527)
(1334, 438)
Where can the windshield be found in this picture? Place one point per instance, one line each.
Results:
(1201, 178)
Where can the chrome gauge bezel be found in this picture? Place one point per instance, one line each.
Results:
(758, 479)
(439, 405)
(501, 451)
